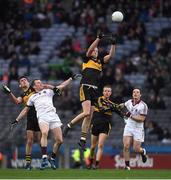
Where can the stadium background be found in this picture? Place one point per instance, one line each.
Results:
(47, 39)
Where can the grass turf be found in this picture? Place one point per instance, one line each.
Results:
(84, 174)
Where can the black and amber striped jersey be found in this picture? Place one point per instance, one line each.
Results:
(91, 71)
(25, 96)
(102, 111)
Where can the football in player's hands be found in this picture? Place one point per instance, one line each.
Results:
(6, 89)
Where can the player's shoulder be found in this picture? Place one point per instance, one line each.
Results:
(47, 91)
(32, 96)
(30, 90)
(129, 101)
(143, 103)
(101, 97)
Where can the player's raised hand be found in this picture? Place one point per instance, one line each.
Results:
(6, 89)
(113, 39)
(76, 76)
(13, 124)
(100, 35)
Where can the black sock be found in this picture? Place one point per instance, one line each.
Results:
(53, 155)
(92, 153)
(97, 163)
(127, 163)
(91, 161)
(44, 150)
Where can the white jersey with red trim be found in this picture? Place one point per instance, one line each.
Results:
(139, 108)
(43, 102)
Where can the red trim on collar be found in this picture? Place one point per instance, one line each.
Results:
(136, 102)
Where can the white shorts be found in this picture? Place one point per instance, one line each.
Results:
(136, 133)
(52, 119)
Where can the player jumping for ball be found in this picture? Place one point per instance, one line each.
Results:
(91, 72)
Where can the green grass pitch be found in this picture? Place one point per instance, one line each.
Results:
(84, 174)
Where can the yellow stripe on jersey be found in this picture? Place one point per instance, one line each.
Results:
(92, 64)
(103, 103)
(82, 96)
(27, 95)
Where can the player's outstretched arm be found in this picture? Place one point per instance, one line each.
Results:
(64, 84)
(16, 100)
(137, 118)
(20, 116)
(112, 50)
(48, 86)
(94, 44)
(7, 90)
(68, 81)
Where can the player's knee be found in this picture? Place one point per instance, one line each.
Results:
(136, 149)
(100, 146)
(30, 141)
(93, 146)
(60, 141)
(126, 147)
(44, 133)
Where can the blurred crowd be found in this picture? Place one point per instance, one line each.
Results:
(20, 21)
(161, 133)
(19, 37)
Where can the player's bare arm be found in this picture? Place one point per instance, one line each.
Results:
(64, 84)
(68, 81)
(111, 53)
(16, 100)
(112, 50)
(22, 114)
(48, 86)
(138, 118)
(93, 46)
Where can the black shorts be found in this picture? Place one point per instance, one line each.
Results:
(32, 121)
(96, 129)
(88, 93)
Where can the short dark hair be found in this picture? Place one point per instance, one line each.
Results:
(137, 88)
(33, 82)
(21, 77)
(107, 86)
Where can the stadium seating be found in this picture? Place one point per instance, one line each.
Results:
(51, 40)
